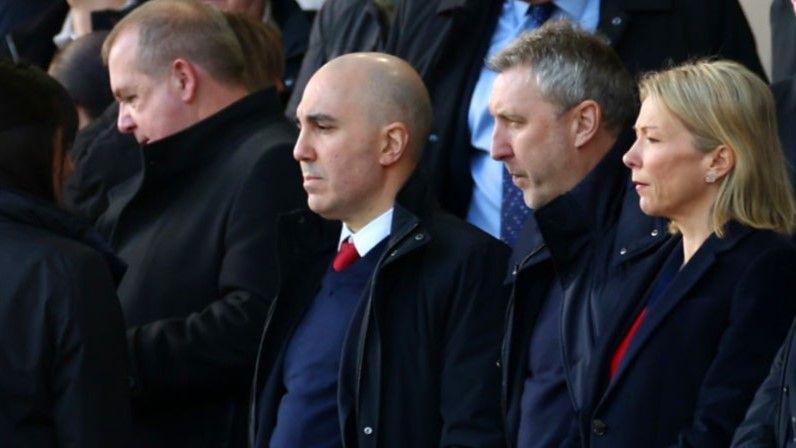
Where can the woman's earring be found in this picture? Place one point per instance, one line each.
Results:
(710, 177)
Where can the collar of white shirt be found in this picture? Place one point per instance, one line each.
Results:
(369, 236)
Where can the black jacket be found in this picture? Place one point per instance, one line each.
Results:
(574, 241)
(447, 40)
(702, 350)
(770, 419)
(340, 27)
(419, 368)
(197, 229)
(785, 97)
(63, 370)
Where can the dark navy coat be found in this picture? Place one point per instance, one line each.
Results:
(572, 243)
(419, 365)
(702, 350)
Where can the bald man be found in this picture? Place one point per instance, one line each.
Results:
(386, 328)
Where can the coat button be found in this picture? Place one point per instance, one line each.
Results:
(433, 138)
(368, 430)
(616, 21)
(785, 389)
(623, 251)
(419, 236)
(497, 363)
(598, 427)
(654, 232)
(394, 253)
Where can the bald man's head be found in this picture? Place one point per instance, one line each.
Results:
(388, 90)
(364, 120)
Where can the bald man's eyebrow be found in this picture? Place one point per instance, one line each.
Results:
(321, 118)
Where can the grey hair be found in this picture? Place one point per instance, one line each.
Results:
(570, 66)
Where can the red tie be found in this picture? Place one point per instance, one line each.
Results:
(346, 256)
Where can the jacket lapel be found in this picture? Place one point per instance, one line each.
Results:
(677, 291)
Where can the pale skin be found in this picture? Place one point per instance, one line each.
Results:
(668, 172)
(547, 151)
(353, 148)
(153, 107)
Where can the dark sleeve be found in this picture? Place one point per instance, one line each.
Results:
(761, 313)
(757, 430)
(89, 374)
(470, 399)
(214, 349)
(317, 54)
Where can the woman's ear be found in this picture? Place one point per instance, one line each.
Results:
(721, 161)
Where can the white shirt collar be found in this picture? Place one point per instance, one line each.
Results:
(369, 236)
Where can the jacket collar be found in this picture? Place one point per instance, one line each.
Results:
(677, 291)
(190, 147)
(305, 234)
(25, 209)
(585, 211)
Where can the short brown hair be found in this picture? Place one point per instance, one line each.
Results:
(189, 29)
(262, 45)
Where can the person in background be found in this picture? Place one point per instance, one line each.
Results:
(264, 65)
(341, 27)
(105, 157)
(63, 366)
(79, 68)
(692, 336)
(783, 35)
(196, 224)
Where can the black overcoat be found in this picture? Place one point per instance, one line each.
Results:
(197, 228)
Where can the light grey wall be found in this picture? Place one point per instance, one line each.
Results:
(757, 13)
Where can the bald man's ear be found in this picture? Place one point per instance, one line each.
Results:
(394, 143)
(586, 121)
(183, 79)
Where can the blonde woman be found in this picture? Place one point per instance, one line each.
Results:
(694, 331)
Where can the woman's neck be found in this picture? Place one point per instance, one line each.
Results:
(695, 229)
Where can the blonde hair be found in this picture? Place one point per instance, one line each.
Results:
(723, 103)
